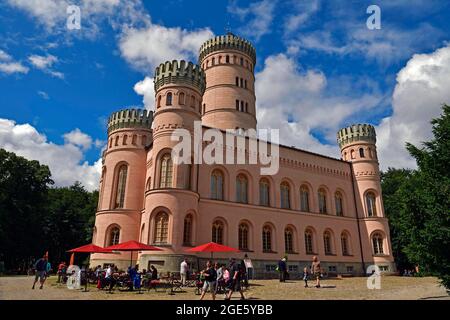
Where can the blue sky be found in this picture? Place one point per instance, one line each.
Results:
(318, 68)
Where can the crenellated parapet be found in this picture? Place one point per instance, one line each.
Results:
(227, 42)
(130, 118)
(356, 132)
(180, 72)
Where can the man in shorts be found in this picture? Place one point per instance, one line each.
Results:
(41, 271)
(210, 281)
(235, 274)
(315, 270)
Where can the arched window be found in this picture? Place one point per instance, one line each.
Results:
(344, 244)
(166, 171)
(289, 240)
(161, 228)
(243, 236)
(133, 139)
(181, 98)
(242, 106)
(187, 230)
(159, 101)
(285, 195)
(237, 81)
(264, 192)
(237, 105)
(361, 152)
(327, 243)
(267, 239)
(193, 101)
(213, 61)
(242, 61)
(227, 59)
(352, 154)
(309, 242)
(304, 198)
(217, 232)
(339, 204)
(120, 186)
(125, 140)
(169, 99)
(246, 107)
(242, 82)
(114, 236)
(241, 189)
(217, 185)
(377, 242)
(148, 185)
(116, 143)
(322, 200)
(371, 206)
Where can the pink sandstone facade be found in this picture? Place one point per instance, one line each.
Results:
(314, 205)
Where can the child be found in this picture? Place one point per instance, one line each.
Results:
(305, 276)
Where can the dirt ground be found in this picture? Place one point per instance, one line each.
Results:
(396, 288)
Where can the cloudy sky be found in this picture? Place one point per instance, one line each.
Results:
(319, 68)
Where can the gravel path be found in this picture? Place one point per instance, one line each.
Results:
(13, 288)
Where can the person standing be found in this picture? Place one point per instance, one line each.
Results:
(61, 271)
(210, 281)
(40, 266)
(235, 274)
(315, 270)
(305, 276)
(282, 268)
(184, 269)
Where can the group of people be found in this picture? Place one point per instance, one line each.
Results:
(227, 278)
(315, 271)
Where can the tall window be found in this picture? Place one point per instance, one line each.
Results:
(237, 81)
(114, 236)
(344, 244)
(361, 152)
(187, 230)
(161, 228)
(241, 189)
(120, 187)
(217, 185)
(371, 206)
(237, 105)
(322, 201)
(159, 101)
(166, 171)
(227, 59)
(285, 196)
(267, 239)
(169, 99)
(264, 193)
(243, 236)
(377, 242)
(327, 242)
(304, 198)
(217, 232)
(309, 242)
(289, 240)
(193, 101)
(148, 185)
(339, 204)
(181, 98)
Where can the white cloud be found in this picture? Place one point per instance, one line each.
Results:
(65, 161)
(78, 138)
(301, 102)
(261, 13)
(145, 48)
(9, 66)
(43, 94)
(303, 10)
(146, 89)
(423, 85)
(45, 63)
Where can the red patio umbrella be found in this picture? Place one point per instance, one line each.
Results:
(89, 248)
(212, 247)
(133, 246)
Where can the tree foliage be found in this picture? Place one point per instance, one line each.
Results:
(35, 218)
(418, 204)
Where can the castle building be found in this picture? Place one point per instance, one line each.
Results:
(313, 205)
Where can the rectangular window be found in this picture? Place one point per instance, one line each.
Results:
(384, 268)
(270, 267)
(332, 269)
(292, 268)
(350, 269)
(237, 81)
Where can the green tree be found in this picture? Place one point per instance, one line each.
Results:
(426, 197)
(69, 219)
(23, 192)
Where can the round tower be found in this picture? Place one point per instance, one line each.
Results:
(358, 146)
(229, 99)
(171, 199)
(122, 182)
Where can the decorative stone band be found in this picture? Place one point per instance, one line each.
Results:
(229, 41)
(130, 118)
(180, 72)
(356, 132)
